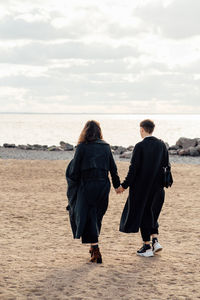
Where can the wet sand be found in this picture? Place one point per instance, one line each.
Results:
(40, 260)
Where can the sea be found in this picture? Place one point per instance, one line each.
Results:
(118, 129)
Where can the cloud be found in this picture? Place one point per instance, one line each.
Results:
(40, 53)
(135, 27)
(92, 66)
(109, 55)
(20, 29)
(191, 68)
(107, 88)
(178, 20)
(33, 28)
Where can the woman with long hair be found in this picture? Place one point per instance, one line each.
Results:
(89, 186)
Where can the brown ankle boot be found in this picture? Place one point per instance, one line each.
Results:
(96, 256)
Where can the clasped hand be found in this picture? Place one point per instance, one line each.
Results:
(119, 190)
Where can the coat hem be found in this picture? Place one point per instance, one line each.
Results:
(129, 231)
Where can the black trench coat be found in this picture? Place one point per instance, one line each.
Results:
(145, 178)
(89, 187)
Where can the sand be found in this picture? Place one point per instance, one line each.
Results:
(40, 260)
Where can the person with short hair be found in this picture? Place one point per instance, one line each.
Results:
(146, 189)
(89, 186)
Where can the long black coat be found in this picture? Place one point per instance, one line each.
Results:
(89, 186)
(145, 177)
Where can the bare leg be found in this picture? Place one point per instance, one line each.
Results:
(154, 236)
(147, 243)
(94, 244)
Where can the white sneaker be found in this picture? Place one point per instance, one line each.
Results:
(156, 247)
(145, 251)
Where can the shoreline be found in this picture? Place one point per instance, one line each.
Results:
(19, 154)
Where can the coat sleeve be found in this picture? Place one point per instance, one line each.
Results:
(76, 164)
(113, 172)
(133, 168)
(166, 162)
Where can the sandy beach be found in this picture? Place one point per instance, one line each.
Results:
(40, 260)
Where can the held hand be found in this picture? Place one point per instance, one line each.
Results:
(119, 190)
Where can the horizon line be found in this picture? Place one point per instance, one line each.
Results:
(92, 113)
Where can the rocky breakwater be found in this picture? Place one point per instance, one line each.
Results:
(63, 147)
(183, 147)
(122, 151)
(186, 147)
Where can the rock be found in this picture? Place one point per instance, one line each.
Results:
(173, 152)
(66, 146)
(40, 147)
(62, 144)
(9, 145)
(33, 147)
(37, 146)
(24, 147)
(183, 152)
(126, 154)
(119, 150)
(186, 143)
(174, 147)
(130, 148)
(193, 151)
(114, 147)
(198, 148)
(54, 148)
(44, 147)
(198, 141)
(28, 147)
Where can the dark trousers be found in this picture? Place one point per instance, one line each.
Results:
(149, 224)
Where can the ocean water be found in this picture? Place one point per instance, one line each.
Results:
(50, 129)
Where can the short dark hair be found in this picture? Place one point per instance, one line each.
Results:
(148, 125)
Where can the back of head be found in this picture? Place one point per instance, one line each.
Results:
(91, 132)
(148, 125)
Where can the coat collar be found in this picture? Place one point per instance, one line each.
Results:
(150, 137)
(99, 141)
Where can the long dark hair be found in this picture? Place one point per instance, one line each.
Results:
(91, 132)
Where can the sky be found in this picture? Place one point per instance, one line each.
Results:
(108, 56)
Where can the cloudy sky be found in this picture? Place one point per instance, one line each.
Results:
(140, 56)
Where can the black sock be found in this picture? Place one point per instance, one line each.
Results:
(154, 240)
